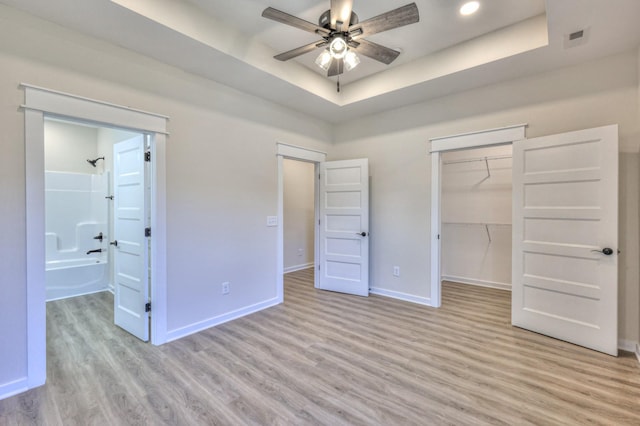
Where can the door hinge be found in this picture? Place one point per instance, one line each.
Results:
(147, 232)
(147, 307)
(147, 156)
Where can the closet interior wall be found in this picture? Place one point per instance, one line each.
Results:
(476, 216)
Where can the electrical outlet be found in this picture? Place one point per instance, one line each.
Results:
(396, 271)
(226, 288)
(300, 252)
(272, 220)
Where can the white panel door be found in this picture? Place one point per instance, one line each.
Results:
(565, 237)
(130, 253)
(344, 227)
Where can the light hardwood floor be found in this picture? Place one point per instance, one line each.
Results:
(325, 358)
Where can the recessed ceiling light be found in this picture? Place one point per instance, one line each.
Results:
(469, 8)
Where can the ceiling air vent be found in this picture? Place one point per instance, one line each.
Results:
(576, 35)
(576, 38)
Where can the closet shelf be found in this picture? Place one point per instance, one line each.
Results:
(485, 159)
(475, 160)
(476, 223)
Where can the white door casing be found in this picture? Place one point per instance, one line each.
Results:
(301, 154)
(565, 214)
(131, 252)
(344, 227)
(40, 102)
(480, 139)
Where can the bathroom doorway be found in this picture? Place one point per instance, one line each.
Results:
(40, 104)
(79, 207)
(97, 208)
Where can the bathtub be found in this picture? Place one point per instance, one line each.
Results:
(75, 277)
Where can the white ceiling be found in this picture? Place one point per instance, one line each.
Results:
(229, 42)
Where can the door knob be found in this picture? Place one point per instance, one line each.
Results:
(362, 234)
(606, 251)
(114, 243)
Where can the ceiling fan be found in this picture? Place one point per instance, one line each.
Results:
(343, 35)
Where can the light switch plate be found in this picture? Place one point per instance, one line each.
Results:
(272, 220)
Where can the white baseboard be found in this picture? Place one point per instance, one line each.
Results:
(401, 296)
(481, 283)
(298, 267)
(627, 345)
(13, 388)
(220, 319)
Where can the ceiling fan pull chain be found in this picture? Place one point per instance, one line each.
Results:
(338, 84)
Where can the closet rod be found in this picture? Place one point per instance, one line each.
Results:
(474, 160)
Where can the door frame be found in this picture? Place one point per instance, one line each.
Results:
(40, 103)
(293, 152)
(480, 139)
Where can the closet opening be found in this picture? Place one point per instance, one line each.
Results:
(565, 226)
(476, 201)
(471, 207)
(299, 218)
(300, 249)
(341, 222)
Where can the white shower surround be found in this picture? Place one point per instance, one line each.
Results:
(76, 212)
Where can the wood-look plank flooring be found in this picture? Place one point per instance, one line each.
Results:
(330, 359)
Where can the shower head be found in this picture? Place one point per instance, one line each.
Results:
(93, 162)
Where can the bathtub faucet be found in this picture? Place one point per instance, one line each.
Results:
(95, 251)
(99, 237)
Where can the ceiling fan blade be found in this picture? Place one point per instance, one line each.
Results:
(376, 51)
(341, 12)
(285, 18)
(300, 50)
(399, 17)
(336, 67)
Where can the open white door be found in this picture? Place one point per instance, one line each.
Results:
(344, 227)
(130, 251)
(565, 237)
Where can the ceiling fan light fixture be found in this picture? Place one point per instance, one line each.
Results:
(338, 48)
(351, 60)
(469, 8)
(341, 32)
(324, 60)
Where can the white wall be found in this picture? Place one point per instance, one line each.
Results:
(476, 216)
(594, 94)
(629, 241)
(68, 146)
(221, 173)
(299, 214)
